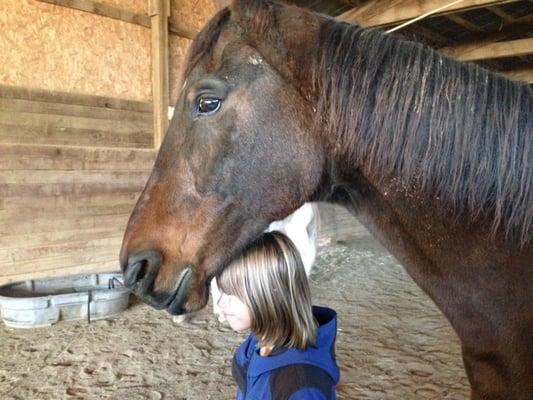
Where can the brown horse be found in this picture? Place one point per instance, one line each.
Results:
(280, 106)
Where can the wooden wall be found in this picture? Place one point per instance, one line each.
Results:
(46, 46)
(76, 128)
(71, 168)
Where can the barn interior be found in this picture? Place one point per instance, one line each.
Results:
(85, 92)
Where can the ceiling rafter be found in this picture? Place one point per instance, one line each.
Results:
(524, 74)
(502, 14)
(482, 51)
(389, 12)
(469, 26)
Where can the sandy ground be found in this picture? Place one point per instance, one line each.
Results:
(393, 343)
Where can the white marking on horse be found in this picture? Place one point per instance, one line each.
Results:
(255, 60)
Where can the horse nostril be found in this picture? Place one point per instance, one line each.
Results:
(141, 270)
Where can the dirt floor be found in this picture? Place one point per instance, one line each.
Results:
(393, 343)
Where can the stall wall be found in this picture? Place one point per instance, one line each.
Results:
(61, 49)
(76, 132)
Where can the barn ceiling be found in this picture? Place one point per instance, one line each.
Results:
(495, 34)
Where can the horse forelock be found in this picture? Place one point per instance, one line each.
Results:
(204, 42)
(460, 132)
(255, 17)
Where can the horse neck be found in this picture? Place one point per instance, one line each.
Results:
(394, 109)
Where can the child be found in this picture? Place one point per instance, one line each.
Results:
(290, 352)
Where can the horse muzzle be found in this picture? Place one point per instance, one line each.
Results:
(139, 277)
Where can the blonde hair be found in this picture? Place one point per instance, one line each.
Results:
(270, 279)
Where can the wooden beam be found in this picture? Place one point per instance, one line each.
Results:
(524, 75)
(159, 13)
(19, 157)
(48, 96)
(519, 27)
(483, 51)
(500, 13)
(469, 26)
(104, 10)
(430, 37)
(388, 12)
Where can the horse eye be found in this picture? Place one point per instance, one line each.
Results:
(208, 105)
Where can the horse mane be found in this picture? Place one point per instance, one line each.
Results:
(459, 132)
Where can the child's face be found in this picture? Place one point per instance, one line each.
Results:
(235, 312)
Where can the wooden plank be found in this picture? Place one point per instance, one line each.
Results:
(103, 10)
(14, 134)
(88, 255)
(53, 225)
(41, 107)
(62, 158)
(430, 37)
(47, 122)
(11, 257)
(388, 12)
(35, 128)
(120, 14)
(159, 13)
(90, 204)
(500, 13)
(52, 183)
(482, 51)
(58, 237)
(507, 31)
(110, 265)
(469, 26)
(17, 92)
(524, 75)
(40, 209)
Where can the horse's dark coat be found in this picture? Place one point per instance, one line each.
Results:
(434, 156)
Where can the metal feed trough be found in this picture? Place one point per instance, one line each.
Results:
(39, 303)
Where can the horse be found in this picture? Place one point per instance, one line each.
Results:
(281, 106)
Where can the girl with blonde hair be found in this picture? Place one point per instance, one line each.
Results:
(290, 351)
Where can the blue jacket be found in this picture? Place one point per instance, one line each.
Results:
(289, 373)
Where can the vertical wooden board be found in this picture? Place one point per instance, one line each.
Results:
(178, 48)
(159, 10)
(61, 49)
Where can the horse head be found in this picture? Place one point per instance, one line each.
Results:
(238, 154)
